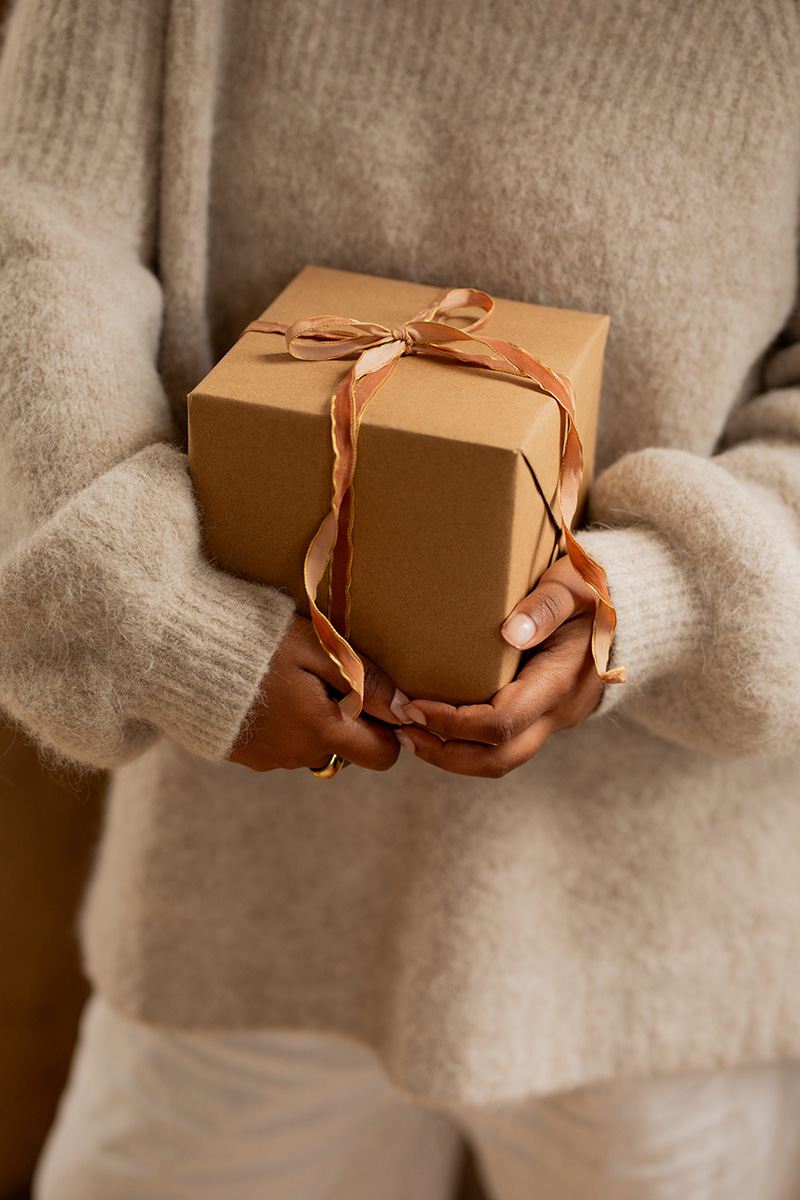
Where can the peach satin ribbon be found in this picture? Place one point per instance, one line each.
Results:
(380, 349)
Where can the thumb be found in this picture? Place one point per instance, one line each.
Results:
(555, 599)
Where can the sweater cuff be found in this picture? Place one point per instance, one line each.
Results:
(217, 639)
(659, 614)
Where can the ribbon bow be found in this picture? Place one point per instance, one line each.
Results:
(380, 349)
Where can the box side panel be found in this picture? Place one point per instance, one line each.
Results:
(438, 556)
(542, 445)
(535, 533)
(262, 479)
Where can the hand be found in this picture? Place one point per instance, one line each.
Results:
(296, 721)
(556, 688)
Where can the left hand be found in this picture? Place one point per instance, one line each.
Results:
(556, 688)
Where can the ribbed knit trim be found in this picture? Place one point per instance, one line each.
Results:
(659, 617)
(218, 637)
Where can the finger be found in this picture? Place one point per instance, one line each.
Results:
(559, 595)
(473, 758)
(562, 676)
(510, 711)
(543, 684)
(367, 743)
(382, 699)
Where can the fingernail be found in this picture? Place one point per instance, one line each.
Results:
(399, 700)
(519, 631)
(405, 740)
(416, 714)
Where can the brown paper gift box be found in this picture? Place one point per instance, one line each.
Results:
(455, 484)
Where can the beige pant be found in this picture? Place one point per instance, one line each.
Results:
(295, 1116)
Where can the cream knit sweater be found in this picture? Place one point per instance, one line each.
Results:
(627, 903)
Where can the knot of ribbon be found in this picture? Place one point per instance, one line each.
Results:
(404, 335)
(379, 349)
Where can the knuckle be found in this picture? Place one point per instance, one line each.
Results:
(378, 753)
(552, 605)
(566, 716)
(503, 729)
(373, 680)
(433, 752)
(330, 724)
(447, 722)
(388, 758)
(498, 768)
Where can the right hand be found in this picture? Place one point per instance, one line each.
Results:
(296, 721)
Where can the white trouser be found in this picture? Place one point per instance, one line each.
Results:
(296, 1116)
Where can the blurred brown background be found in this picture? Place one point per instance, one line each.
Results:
(48, 827)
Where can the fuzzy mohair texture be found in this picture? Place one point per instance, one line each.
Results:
(625, 904)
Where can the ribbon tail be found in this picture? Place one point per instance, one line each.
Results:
(333, 543)
(336, 647)
(605, 615)
(349, 403)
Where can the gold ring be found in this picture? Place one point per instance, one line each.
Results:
(332, 767)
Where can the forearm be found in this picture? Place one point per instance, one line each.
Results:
(703, 564)
(112, 623)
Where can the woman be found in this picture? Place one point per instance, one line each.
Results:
(564, 944)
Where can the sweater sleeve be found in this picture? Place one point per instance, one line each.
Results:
(113, 626)
(703, 563)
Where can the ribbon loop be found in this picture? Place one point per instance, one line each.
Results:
(380, 349)
(458, 298)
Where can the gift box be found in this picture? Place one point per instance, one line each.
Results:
(456, 511)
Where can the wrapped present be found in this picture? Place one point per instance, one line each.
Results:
(406, 469)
